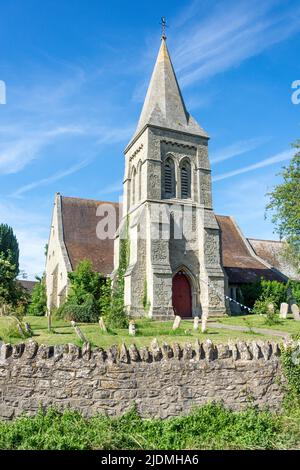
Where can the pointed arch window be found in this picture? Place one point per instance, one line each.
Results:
(133, 186)
(139, 171)
(185, 179)
(169, 179)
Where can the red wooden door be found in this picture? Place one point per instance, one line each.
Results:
(181, 295)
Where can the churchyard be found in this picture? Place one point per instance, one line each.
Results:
(218, 331)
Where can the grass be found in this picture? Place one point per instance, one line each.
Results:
(63, 332)
(288, 325)
(207, 427)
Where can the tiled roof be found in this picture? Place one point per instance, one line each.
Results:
(273, 252)
(79, 220)
(28, 285)
(239, 261)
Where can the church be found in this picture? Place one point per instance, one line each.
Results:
(183, 258)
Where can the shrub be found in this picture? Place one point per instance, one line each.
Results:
(277, 291)
(82, 304)
(86, 312)
(261, 307)
(250, 293)
(38, 304)
(294, 291)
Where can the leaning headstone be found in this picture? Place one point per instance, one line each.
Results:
(176, 323)
(102, 325)
(203, 322)
(79, 333)
(295, 312)
(196, 323)
(284, 308)
(28, 328)
(132, 328)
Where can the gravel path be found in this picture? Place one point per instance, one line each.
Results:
(264, 331)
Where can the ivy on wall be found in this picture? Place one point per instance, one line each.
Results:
(116, 317)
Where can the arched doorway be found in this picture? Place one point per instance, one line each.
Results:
(181, 295)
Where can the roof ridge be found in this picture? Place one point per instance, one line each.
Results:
(89, 199)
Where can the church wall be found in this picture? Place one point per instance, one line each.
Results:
(56, 263)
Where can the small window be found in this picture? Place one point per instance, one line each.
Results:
(169, 179)
(185, 181)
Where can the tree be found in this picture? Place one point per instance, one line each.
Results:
(284, 206)
(84, 282)
(9, 247)
(83, 302)
(38, 304)
(10, 291)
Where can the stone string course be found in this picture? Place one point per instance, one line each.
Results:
(161, 380)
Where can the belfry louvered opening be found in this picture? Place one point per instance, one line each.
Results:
(169, 178)
(185, 174)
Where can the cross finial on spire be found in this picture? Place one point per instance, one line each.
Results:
(164, 25)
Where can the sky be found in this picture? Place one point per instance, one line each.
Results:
(76, 74)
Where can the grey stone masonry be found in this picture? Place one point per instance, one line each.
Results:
(161, 380)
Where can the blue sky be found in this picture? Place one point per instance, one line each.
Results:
(76, 74)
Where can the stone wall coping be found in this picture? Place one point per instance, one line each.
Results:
(207, 351)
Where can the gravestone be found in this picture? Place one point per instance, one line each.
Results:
(203, 323)
(132, 328)
(102, 325)
(176, 323)
(284, 308)
(270, 307)
(196, 323)
(296, 312)
(79, 333)
(28, 328)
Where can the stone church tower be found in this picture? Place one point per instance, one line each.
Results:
(174, 263)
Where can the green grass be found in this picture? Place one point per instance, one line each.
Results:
(257, 321)
(63, 332)
(208, 427)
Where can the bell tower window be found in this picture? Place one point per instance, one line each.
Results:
(185, 180)
(169, 179)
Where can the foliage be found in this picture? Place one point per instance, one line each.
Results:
(105, 296)
(116, 316)
(9, 247)
(277, 291)
(146, 302)
(263, 289)
(261, 307)
(85, 312)
(250, 293)
(38, 304)
(82, 304)
(84, 281)
(290, 360)
(294, 291)
(284, 205)
(208, 427)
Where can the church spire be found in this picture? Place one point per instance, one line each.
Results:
(164, 105)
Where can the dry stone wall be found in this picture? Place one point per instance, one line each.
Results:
(162, 381)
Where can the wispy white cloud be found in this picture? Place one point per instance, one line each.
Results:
(238, 148)
(280, 157)
(51, 179)
(23, 147)
(115, 187)
(210, 43)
